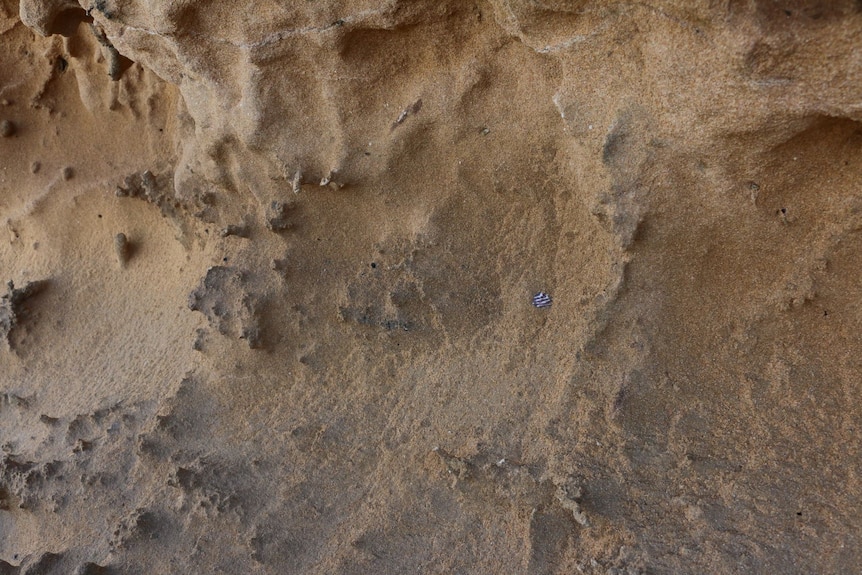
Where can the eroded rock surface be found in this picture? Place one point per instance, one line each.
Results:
(361, 198)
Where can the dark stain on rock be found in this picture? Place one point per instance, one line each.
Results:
(15, 309)
(224, 299)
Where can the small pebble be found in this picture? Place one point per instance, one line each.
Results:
(68, 173)
(297, 182)
(35, 167)
(7, 129)
(122, 248)
(238, 230)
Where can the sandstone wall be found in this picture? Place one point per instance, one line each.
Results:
(271, 268)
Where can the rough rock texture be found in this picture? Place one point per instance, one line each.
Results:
(318, 353)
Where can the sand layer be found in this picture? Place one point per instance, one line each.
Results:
(269, 274)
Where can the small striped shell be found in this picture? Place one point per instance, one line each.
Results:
(542, 300)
